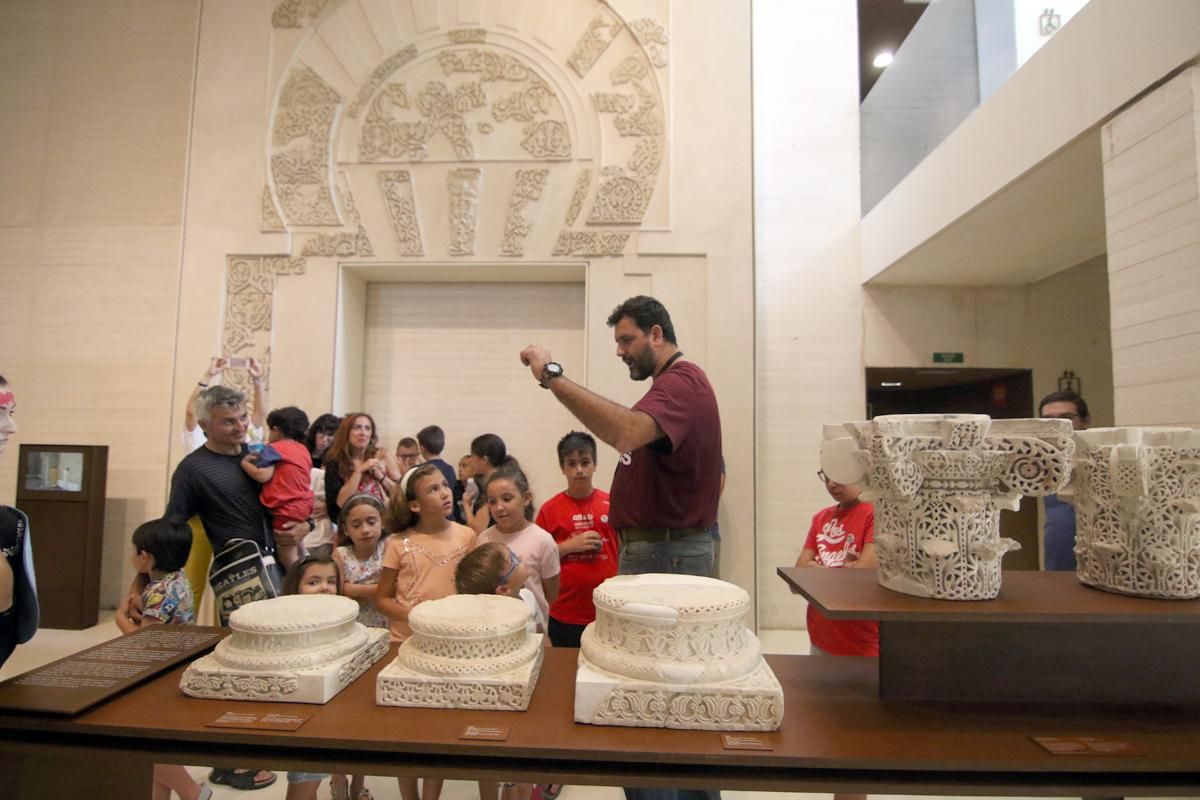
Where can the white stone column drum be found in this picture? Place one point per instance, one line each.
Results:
(293, 649)
(939, 482)
(673, 651)
(1136, 493)
(466, 651)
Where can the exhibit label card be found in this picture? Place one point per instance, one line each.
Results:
(273, 721)
(1086, 746)
(79, 681)
(745, 741)
(487, 732)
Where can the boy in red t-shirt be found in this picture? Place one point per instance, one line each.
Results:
(587, 544)
(285, 467)
(841, 536)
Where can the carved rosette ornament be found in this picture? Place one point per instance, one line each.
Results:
(1136, 493)
(939, 482)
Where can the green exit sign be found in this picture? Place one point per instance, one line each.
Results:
(947, 358)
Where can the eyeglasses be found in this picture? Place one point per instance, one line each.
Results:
(821, 474)
(1066, 415)
(513, 563)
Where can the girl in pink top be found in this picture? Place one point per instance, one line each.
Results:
(511, 506)
(419, 563)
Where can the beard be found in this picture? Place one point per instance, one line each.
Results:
(642, 365)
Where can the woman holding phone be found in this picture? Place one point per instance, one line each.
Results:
(356, 464)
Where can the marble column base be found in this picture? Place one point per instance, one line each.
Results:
(751, 703)
(208, 678)
(397, 685)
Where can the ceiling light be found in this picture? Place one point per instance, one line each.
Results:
(890, 383)
(882, 59)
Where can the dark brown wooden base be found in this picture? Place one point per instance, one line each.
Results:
(990, 662)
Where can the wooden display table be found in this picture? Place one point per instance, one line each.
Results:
(836, 736)
(1046, 638)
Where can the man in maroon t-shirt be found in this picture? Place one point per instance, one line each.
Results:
(667, 483)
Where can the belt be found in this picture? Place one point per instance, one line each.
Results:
(659, 534)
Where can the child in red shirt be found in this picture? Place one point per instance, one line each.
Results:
(841, 536)
(587, 544)
(285, 467)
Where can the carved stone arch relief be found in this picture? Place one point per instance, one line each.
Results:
(493, 136)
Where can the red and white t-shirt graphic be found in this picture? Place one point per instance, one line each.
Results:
(834, 542)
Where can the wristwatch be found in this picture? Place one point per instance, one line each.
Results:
(552, 370)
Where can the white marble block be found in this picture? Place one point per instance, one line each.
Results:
(939, 482)
(293, 649)
(1136, 493)
(673, 651)
(466, 651)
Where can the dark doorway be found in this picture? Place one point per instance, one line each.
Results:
(999, 393)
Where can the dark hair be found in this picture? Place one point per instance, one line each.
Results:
(407, 441)
(492, 447)
(3, 382)
(338, 455)
(401, 517)
(353, 503)
(433, 439)
(168, 539)
(512, 472)
(326, 423)
(576, 442)
(1065, 397)
(646, 312)
(295, 573)
(479, 571)
(292, 422)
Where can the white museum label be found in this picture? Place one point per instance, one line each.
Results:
(274, 721)
(488, 732)
(741, 741)
(1086, 746)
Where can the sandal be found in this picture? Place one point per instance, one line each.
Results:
(365, 794)
(244, 780)
(339, 788)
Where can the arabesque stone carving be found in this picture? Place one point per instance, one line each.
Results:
(293, 649)
(600, 33)
(653, 39)
(591, 243)
(301, 168)
(379, 75)
(1136, 493)
(271, 221)
(673, 651)
(397, 189)
(249, 299)
(463, 186)
(294, 13)
(343, 245)
(938, 482)
(582, 184)
(401, 125)
(466, 651)
(527, 187)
